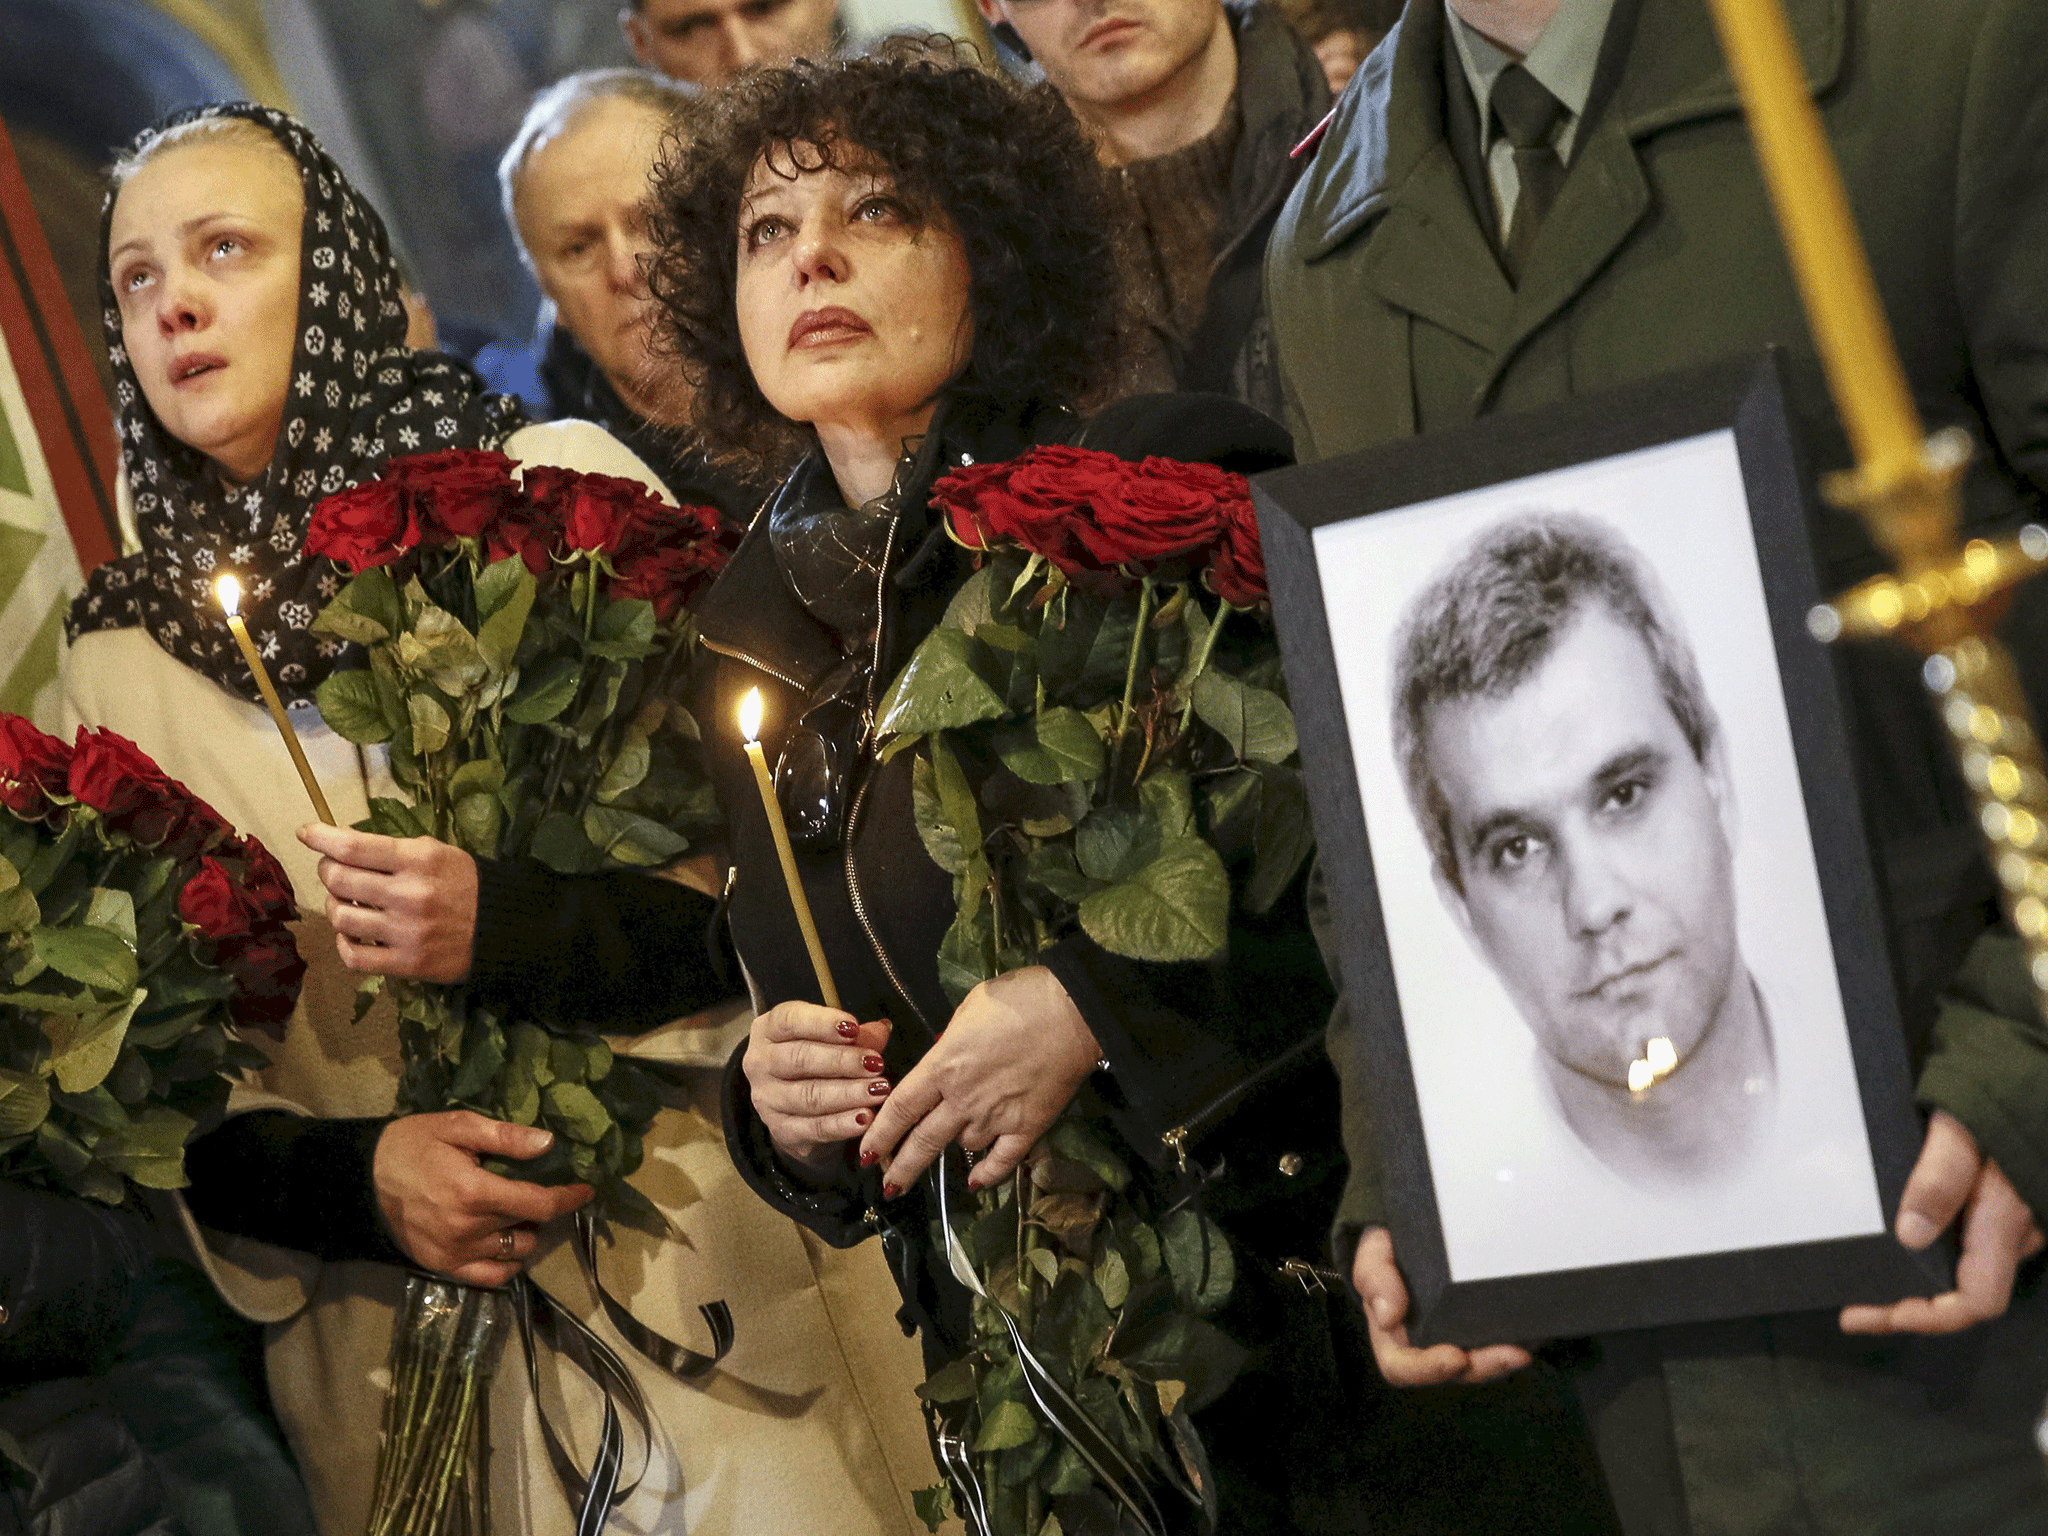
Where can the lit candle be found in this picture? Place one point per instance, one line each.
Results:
(750, 728)
(229, 592)
(1856, 347)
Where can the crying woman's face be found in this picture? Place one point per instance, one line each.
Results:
(204, 257)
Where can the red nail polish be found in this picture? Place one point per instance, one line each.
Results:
(877, 1088)
(890, 1191)
(847, 1029)
(867, 1159)
(871, 1062)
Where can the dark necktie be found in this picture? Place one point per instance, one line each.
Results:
(1528, 116)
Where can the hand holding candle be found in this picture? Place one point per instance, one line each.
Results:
(229, 592)
(750, 729)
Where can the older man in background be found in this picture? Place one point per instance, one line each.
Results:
(574, 182)
(707, 42)
(1195, 105)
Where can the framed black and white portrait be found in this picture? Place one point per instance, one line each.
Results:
(1588, 821)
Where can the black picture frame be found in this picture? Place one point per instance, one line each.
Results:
(1744, 396)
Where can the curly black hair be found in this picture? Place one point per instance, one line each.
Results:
(1006, 164)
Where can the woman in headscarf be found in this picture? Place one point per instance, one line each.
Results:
(257, 332)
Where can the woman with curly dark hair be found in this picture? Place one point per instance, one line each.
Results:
(1001, 174)
(875, 271)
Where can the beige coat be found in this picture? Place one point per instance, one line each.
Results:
(810, 1424)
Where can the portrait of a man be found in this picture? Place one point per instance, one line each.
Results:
(1568, 774)
(1595, 871)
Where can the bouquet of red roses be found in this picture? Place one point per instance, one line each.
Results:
(526, 645)
(138, 936)
(1120, 756)
(525, 641)
(1102, 734)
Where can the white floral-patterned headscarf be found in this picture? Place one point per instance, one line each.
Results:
(358, 398)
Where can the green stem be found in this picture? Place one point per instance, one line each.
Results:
(589, 598)
(1201, 664)
(1123, 723)
(1025, 1271)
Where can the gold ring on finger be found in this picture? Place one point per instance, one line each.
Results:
(506, 1241)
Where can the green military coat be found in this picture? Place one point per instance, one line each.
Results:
(1391, 316)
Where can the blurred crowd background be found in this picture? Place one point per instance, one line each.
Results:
(415, 98)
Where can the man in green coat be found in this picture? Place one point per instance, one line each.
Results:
(1456, 252)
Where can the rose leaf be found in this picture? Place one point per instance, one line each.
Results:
(1176, 908)
(1051, 866)
(938, 835)
(559, 843)
(576, 1111)
(952, 1383)
(430, 722)
(963, 954)
(349, 704)
(19, 910)
(24, 1101)
(941, 687)
(1255, 722)
(1171, 798)
(1114, 843)
(1282, 838)
(1198, 1258)
(83, 1052)
(113, 911)
(1009, 1424)
(626, 838)
(340, 619)
(626, 771)
(545, 693)
(91, 955)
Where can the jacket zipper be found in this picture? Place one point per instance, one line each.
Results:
(753, 661)
(860, 796)
(1176, 1139)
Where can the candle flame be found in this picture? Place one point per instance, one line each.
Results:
(750, 715)
(1658, 1061)
(229, 592)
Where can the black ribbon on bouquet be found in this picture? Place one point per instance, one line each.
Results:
(1070, 1421)
(544, 1320)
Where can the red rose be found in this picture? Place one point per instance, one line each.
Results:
(596, 513)
(667, 557)
(33, 766)
(1034, 502)
(1223, 484)
(197, 828)
(369, 524)
(459, 493)
(1145, 518)
(116, 778)
(268, 886)
(213, 903)
(268, 971)
(520, 532)
(1238, 572)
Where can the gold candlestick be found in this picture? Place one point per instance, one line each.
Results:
(750, 729)
(229, 592)
(1944, 601)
